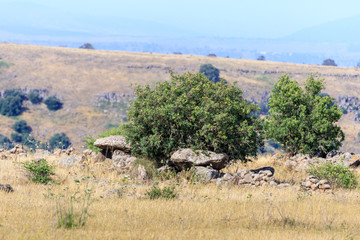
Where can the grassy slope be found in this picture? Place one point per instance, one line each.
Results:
(200, 211)
(76, 75)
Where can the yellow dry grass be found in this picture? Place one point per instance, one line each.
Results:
(200, 211)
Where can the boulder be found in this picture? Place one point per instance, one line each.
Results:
(263, 169)
(141, 174)
(186, 158)
(113, 143)
(206, 174)
(71, 160)
(17, 149)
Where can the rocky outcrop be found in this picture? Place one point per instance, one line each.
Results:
(311, 183)
(18, 149)
(6, 188)
(71, 160)
(186, 158)
(206, 174)
(113, 143)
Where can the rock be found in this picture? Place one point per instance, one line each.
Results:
(270, 169)
(283, 185)
(165, 169)
(42, 153)
(70, 151)
(141, 174)
(248, 178)
(122, 160)
(100, 157)
(87, 152)
(113, 143)
(71, 160)
(57, 152)
(186, 158)
(6, 188)
(206, 174)
(17, 149)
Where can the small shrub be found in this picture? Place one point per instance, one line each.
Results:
(337, 174)
(11, 103)
(59, 140)
(344, 111)
(53, 103)
(22, 127)
(5, 142)
(167, 192)
(16, 137)
(34, 97)
(87, 46)
(67, 215)
(40, 170)
(211, 72)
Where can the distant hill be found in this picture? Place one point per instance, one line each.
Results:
(96, 86)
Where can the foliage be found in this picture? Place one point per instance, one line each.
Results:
(35, 97)
(156, 192)
(11, 103)
(261, 58)
(67, 215)
(16, 137)
(90, 140)
(53, 103)
(337, 174)
(192, 112)
(211, 72)
(29, 141)
(5, 142)
(40, 170)
(329, 62)
(87, 46)
(301, 120)
(21, 126)
(59, 140)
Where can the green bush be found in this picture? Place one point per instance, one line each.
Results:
(12, 103)
(190, 111)
(29, 141)
(301, 120)
(40, 170)
(16, 137)
(34, 97)
(21, 126)
(5, 142)
(59, 140)
(211, 72)
(337, 174)
(156, 192)
(53, 103)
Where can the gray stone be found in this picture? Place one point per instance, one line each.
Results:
(248, 178)
(71, 160)
(206, 174)
(141, 174)
(113, 143)
(186, 158)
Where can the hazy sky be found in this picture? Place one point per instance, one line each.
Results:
(229, 18)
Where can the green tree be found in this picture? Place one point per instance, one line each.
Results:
(303, 120)
(35, 97)
(329, 62)
(5, 142)
(211, 72)
(22, 127)
(59, 140)
(16, 137)
(190, 111)
(12, 103)
(53, 103)
(87, 46)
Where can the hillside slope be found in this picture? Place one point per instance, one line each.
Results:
(96, 86)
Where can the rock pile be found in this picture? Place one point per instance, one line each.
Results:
(311, 183)
(116, 150)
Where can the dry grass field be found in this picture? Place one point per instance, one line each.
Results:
(199, 212)
(77, 75)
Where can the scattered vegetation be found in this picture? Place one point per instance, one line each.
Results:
(301, 120)
(338, 174)
(35, 97)
(59, 140)
(190, 111)
(156, 192)
(70, 216)
(40, 170)
(53, 103)
(5, 142)
(12, 103)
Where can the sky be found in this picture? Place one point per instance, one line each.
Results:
(225, 18)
